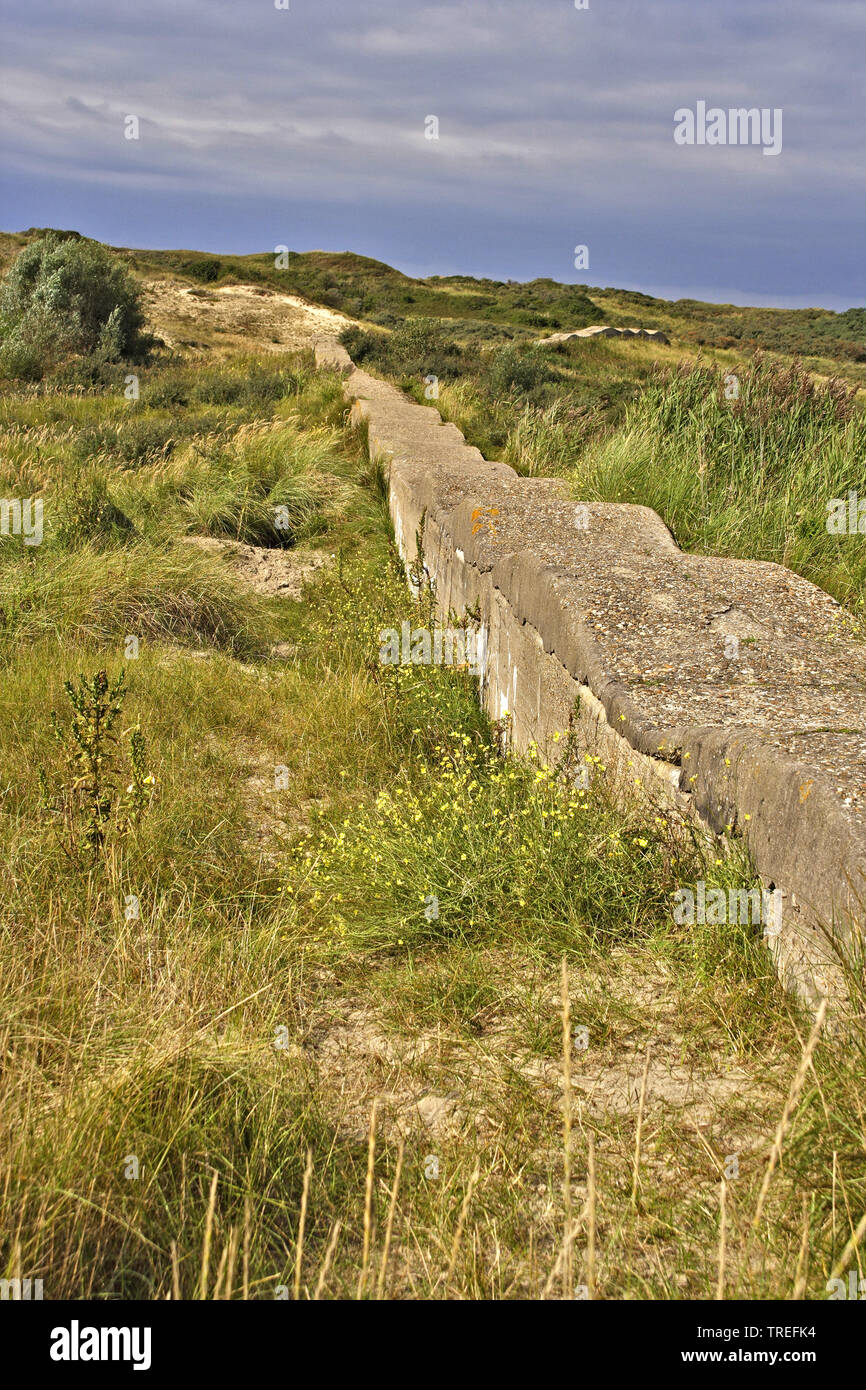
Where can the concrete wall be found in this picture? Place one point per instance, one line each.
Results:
(728, 691)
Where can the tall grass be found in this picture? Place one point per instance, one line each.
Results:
(217, 1037)
(747, 475)
(271, 485)
(96, 598)
(548, 440)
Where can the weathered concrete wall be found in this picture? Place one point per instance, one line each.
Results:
(728, 690)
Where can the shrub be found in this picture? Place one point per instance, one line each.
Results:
(257, 386)
(420, 347)
(134, 441)
(169, 390)
(21, 359)
(65, 296)
(417, 348)
(206, 270)
(90, 374)
(366, 347)
(143, 440)
(511, 370)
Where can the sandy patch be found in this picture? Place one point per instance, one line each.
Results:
(268, 571)
(235, 316)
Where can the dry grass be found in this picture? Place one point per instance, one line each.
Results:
(226, 1096)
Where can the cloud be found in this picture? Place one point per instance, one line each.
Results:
(555, 125)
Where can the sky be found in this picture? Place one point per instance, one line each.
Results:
(306, 126)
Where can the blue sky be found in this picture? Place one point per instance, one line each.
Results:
(305, 127)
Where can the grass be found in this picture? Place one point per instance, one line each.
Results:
(750, 476)
(488, 311)
(740, 457)
(298, 1032)
(97, 598)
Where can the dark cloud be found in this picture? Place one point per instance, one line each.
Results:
(260, 126)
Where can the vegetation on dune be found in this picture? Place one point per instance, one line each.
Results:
(794, 332)
(495, 310)
(739, 459)
(747, 475)
(67, 296)
(256, 878)
(367, 289)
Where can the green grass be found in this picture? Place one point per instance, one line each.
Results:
(308, 805)
(493, 309)
(749, 477)
(98, 598)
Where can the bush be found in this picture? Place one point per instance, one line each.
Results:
(21, 359)
(68, 296)
(207, 270)
(420, 347)
(417, 348)
(170, 390)
(366, 347)
(512, 370)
